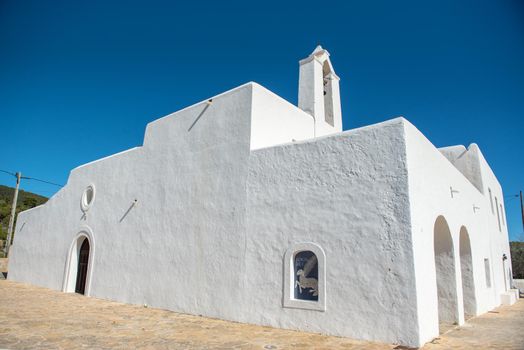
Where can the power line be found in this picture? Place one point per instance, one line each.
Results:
(44, 181)
(8, 172)
(32, 178)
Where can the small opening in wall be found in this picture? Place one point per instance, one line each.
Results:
(487, 272)
(491, 201)
(88, 197)
(498, 213)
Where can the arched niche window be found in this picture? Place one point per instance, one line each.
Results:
(491, 201)
(305, 277)
(498, 213)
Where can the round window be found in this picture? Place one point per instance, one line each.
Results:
(88, 197)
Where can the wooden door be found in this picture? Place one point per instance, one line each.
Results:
(81, 274)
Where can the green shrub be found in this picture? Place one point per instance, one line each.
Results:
(517, 259)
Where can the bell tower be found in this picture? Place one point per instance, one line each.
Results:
(319, 92)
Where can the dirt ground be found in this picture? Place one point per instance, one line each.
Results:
(38, 318)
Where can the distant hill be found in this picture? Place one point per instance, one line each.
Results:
(26, 200)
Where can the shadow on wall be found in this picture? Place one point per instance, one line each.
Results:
(128, 210)
(201, 114)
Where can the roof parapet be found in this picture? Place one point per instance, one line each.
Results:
(467, 161)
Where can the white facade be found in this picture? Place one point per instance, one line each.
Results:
(212, 215)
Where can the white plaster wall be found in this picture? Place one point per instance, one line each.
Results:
(519, 284)
(477, 170)
(466, 161)
(348, 194)
(212, 222)
(275, 121)
(194, 221)
(499, 238)
(310, 88)
(180, 247)
(430, 177)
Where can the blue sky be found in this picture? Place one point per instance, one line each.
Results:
(80, 80)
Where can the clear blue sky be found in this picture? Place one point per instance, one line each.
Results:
(80, 80)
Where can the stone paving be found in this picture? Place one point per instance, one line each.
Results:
(3, 267)
(38, 318)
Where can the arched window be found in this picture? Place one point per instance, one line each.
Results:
(305, 277)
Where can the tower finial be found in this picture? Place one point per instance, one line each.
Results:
(317, 49)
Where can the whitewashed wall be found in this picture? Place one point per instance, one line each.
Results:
(213, 220)
(198, 220)
(176, 248)
(431, 177)
(275, 121)
(348, 194)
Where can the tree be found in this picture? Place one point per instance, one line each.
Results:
(517, 259)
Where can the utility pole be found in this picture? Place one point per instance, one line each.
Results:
(12, 217)
(522, 210)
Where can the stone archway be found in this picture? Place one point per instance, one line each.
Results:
(445, 273)
(466, 268)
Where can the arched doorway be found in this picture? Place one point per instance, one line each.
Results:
(79, 263)
(83, 262)
(466, 268)
(445, 273)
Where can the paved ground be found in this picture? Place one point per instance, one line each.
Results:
(39, 318)
(3, 267)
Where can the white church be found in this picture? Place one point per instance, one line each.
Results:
(247, 208)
